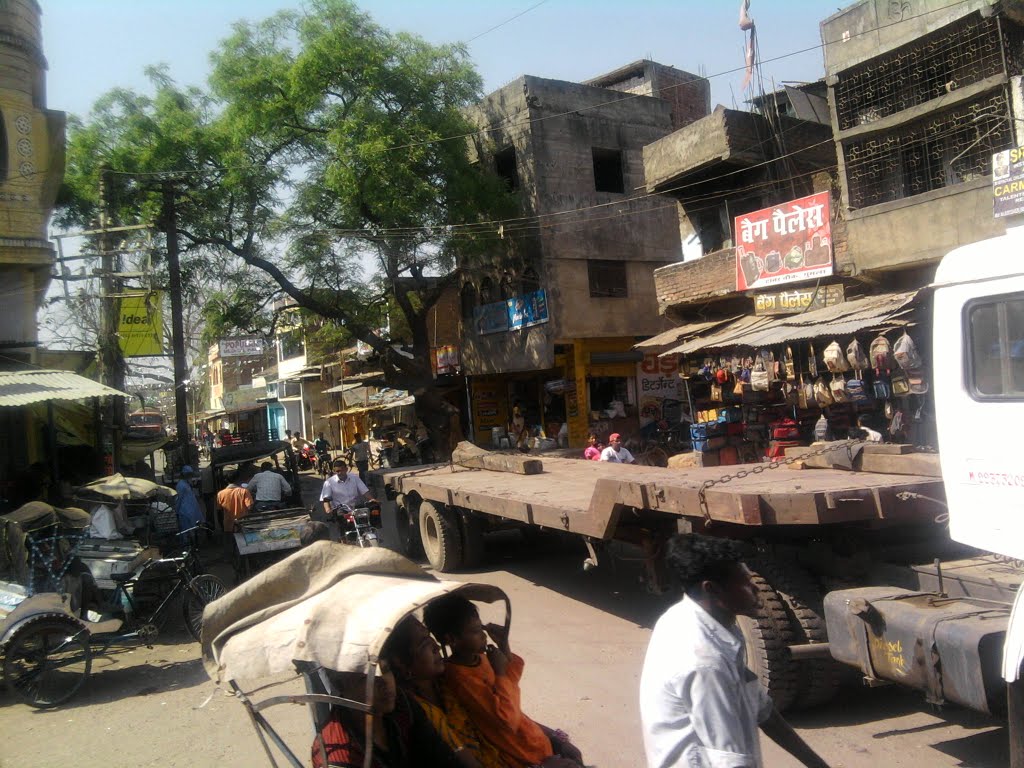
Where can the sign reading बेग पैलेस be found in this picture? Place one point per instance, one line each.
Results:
(786, 243)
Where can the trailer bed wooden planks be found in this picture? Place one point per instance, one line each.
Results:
(586, 497)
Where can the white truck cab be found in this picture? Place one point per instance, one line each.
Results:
(979, 399)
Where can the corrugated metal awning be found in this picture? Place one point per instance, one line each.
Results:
(675, 335)
(343, 387)
(836, 320)
(38, 386)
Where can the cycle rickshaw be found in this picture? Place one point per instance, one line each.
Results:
(327, 608)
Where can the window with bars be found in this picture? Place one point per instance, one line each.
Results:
(941, 150)
(932, 66)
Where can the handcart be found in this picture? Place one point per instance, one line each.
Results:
(263, 538)
(327, 608)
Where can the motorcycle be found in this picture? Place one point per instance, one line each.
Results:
(357, 524)
(307, 457)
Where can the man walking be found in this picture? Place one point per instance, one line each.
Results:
(699, 704)
(268, 488)
(361, 456)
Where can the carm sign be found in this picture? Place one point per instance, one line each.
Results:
(1008, 182)
(140, 329)
(784, 244)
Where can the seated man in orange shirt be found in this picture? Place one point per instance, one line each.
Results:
(235, 501)
(485, 679)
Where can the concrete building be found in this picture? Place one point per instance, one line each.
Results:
(235, 388)
(31, 170)
(552, 327)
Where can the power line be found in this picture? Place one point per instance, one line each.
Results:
(506, 21)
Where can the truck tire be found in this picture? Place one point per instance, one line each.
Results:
(407, 522)
(472, 528)
(818, 679)
(768, 637)
(442, 541)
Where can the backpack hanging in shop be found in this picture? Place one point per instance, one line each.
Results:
(906, 353)
(822, 394)
(838, 387)
(855, 356)
(812, 362)
(835, 358)
(881, 354)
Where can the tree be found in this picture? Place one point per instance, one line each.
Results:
(329, 165)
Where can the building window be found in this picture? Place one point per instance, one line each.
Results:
(291, 344)
(607, 279)
(941, 150)
(995, 348)
(468, 300)
(608, 170)
(487, 295)
(505, 165)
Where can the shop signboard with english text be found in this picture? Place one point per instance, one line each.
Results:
(527, 310)
(657, 381)
(1008, 182)
(786, 243)
(241, 346)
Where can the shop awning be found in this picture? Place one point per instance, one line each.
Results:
(678, 334)
(837, 320)
(26, 387)
(343, 387)
(409, 400)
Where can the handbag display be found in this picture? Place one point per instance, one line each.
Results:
(822, 393)
(900, 384)
(838, 389)
(716, 393)
(857, 392)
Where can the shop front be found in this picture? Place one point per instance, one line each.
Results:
(762, 384)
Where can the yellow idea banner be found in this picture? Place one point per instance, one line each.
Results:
(140, 328)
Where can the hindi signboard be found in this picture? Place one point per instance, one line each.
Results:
(784, 244)
(1008, 182)
(658, 382)
(140, 328)
(798, 300)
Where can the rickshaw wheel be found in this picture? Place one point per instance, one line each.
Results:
(203, 589)
(47, 660)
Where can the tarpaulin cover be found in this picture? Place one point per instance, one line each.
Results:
(27, 519)
(119, 487)
(328, 604)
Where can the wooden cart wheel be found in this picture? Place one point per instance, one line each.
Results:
(439, 531)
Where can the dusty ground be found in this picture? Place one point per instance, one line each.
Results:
(583, 636)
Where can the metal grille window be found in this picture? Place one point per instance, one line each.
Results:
(932, 66)
(948, 148)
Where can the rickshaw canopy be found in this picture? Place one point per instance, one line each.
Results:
(329, 604)
(118, 487)
(28, 519)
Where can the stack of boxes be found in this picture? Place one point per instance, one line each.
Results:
(718, 435)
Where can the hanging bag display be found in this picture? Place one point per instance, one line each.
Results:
(716, 393)
(881, 386)
(812, 362)
(857, 392)
(835, 358)
(856, 357)
(881, 355)
(759, 378)
(789, 364)
(900, 384)
(801, 395)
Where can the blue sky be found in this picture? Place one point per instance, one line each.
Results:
(95, 45)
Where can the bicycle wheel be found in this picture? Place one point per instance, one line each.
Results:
(203, 589)
(47, 660)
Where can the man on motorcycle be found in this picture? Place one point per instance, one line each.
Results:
(343, 488)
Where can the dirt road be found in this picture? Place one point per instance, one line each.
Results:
(583, 636)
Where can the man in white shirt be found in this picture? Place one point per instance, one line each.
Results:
(269, 489)
(615, 452)
(343, 488)
(699, 704)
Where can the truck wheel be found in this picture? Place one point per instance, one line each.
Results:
(768, 637)
(818, 679)
(407, 522)
(439, 530)
(472, 539)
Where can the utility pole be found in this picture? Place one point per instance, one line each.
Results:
(170, 222)
(111, 360)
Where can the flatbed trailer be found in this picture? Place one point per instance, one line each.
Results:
(821, 536)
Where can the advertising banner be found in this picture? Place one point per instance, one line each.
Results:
(445, 360)
(1008, 182)
(657, 381)
(527, 310)
(784, 244)
(491, 318)
(140, 328)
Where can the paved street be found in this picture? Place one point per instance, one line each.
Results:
(583, 636)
